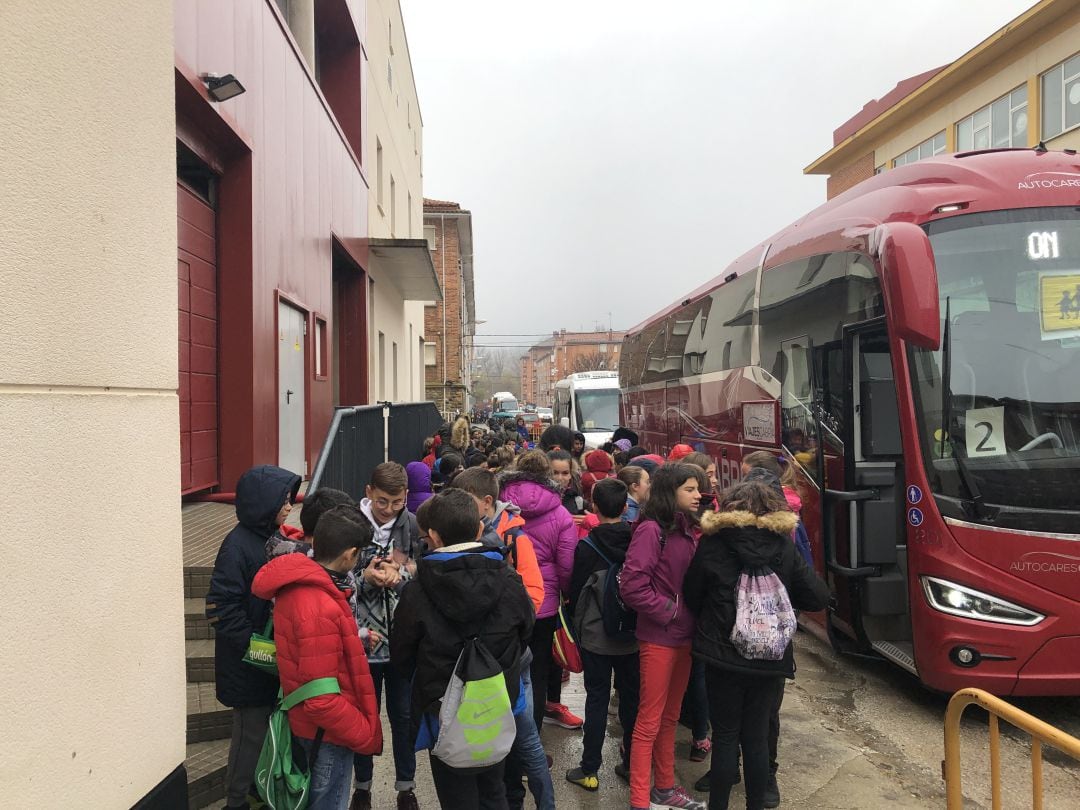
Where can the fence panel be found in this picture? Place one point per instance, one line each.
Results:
(354, 443)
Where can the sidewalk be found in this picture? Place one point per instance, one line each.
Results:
(822, 767)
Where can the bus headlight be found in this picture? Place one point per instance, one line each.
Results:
(958, 600)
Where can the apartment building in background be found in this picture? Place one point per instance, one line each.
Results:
(450, 324)
(400, 273)
(1017, 88)
(562, 354)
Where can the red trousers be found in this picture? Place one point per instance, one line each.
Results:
(665, 672)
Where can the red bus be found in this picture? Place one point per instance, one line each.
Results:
(912, 347)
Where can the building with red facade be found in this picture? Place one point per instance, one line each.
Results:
(274, 262)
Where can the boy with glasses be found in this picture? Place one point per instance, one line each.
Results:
(381, 572)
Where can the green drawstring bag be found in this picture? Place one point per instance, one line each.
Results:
(281, 783)
(262, 651)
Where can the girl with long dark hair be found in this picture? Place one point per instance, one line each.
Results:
(662, 547)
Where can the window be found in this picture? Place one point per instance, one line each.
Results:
(879, 169)
(390, 73)
(803, 309)
(378, 174)
(432, 237)
(395, 388)
(928, 148)
(1061, 98)
(382, 366)
(1002, 124)
(393, 207)
(429, 354)
(408, 213)
(321, 356)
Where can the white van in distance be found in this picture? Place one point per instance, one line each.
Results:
(588, 402)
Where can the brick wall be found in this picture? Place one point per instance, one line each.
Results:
(445, 258)
(852, 174)
(539, 372)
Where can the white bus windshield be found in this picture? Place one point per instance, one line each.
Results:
(597, 410)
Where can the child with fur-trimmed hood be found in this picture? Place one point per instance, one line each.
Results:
(751, 532)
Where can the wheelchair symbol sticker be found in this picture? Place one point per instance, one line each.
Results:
(914, 495)
(915, 517)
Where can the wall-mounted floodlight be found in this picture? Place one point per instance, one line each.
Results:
(222, 88)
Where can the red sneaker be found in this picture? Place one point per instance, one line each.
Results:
(557, 714)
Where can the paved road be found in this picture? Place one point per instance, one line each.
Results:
(857, 734)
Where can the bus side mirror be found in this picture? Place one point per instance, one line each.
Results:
(911, 283)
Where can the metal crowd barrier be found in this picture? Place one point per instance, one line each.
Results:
(360, 438)
(1041, 733)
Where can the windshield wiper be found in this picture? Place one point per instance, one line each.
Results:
(974, 502)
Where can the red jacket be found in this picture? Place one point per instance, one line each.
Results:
(316, 637)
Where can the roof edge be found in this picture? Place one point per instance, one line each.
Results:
(1024, 26)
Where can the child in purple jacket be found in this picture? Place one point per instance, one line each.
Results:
(663, 545)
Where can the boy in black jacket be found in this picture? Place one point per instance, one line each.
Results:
(264, 497)
(461, 588)
(602, 655)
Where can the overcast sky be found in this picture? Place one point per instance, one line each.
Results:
(617, 154)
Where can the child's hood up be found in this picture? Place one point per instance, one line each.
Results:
(419, 475)
(260, 494)
(756, 539)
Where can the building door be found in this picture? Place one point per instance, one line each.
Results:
(292, 373)
(198, 363)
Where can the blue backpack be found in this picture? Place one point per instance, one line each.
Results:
(620, 622)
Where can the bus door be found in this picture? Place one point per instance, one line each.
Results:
(675, 403)
(863, 514)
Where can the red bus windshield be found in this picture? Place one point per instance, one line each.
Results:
(1001, 440)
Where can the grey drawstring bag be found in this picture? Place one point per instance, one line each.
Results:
(476, 720)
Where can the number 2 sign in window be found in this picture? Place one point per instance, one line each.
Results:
(984, 429)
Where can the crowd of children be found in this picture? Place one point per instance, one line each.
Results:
(451, 579)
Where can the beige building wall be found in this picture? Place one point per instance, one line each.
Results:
(92, 691)
(1018, 54)
(395, 130)
(1048, 48)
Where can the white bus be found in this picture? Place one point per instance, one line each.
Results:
(504, 402)
(588, 402)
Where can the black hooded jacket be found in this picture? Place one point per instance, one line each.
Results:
(230, 606)
(613, 539)
(732, 542)
(458, 591)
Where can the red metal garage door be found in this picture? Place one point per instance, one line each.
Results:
(197, 277)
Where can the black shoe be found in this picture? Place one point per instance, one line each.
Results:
(702, 785)
(361, 800)
(772, 792)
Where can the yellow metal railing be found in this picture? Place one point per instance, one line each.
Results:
(1041, 733)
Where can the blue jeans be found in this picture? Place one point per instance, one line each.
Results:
(330, 780)
(398, 700)
(527, 755)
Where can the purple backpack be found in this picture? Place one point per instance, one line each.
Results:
(764, 618)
